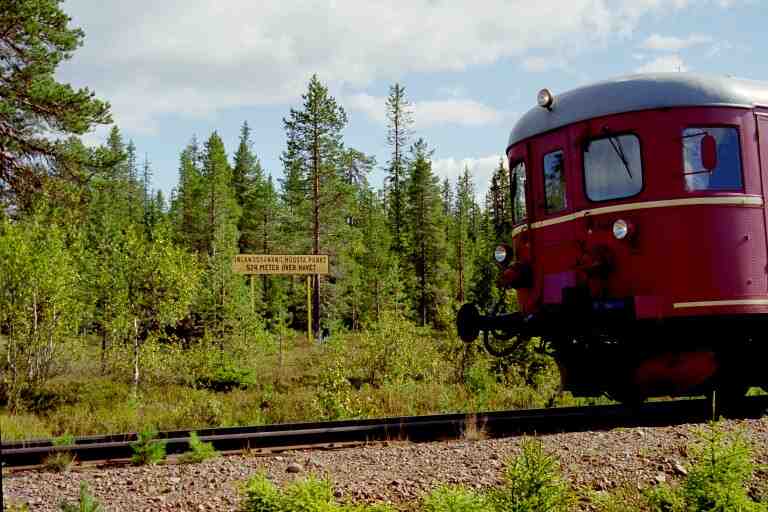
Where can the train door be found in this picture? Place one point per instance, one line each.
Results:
(521, 201)
(761, 120)
(552, 171)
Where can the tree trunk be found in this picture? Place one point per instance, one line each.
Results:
(135, 356)
(315, 325)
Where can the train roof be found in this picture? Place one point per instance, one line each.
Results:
(640, 92)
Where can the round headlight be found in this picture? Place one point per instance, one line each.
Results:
(500, 254)
(620, 229)
(545, 99)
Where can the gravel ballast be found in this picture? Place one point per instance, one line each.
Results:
(393, 472)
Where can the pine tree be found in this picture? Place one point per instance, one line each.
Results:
(400, 119)
(426, 232)
(315, 144)
(35, 37)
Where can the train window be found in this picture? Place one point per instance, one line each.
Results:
(519, 208)
(554, 182)
(613, 168)
(727, 173)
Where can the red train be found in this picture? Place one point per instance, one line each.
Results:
(639, 251)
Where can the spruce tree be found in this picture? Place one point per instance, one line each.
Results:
(400, 121)
(465, 202)
(501, 211)
(146, 195)
(426, 233)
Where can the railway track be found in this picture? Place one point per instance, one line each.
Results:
(413, 428)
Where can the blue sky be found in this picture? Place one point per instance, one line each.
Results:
(176, 68)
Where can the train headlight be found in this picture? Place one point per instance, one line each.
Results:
(545, 99)
(621, 229)
(500, 254)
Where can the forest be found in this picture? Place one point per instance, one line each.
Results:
(113, 296)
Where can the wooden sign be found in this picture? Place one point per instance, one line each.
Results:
(284, 264)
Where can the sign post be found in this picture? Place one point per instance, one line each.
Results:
(283, 264)
(309, 309)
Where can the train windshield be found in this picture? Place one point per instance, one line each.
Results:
(727, 174)
(613, 168)
(519, 208)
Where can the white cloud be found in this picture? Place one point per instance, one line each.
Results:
(674, 44)
(481, 168)
(465, 112)
(662, 64)
(537, 64)
(155, 58)
(455, 111)
(373, 106)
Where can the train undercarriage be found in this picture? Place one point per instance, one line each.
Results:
(603, 349)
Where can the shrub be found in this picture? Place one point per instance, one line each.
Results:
(86, 503)
(226, 378)
(455, 499)
(717, 481)
(533, 483)
(147, 449)
(261, 495)
(306, 495)
(60, 461)
(199, 451)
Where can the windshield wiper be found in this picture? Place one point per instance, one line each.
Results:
(617, 147)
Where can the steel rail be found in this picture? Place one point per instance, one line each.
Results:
(412, 428)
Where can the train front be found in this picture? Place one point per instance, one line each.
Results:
(638, 251)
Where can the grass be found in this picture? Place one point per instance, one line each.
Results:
(61, 461)
(474, 430)
(353, 375)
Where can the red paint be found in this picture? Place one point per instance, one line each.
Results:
(674, 372)
(676, 254)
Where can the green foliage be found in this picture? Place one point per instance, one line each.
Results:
(199, 451)
(426, 238)
(60, 461)
(455, 499)
(227, 377)
(533, 483)
(399, 123)
(147, 449)
(86, 503)
(32, 103)
(64, 440)
(39, 304)
(718, 478)
(309, 494)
